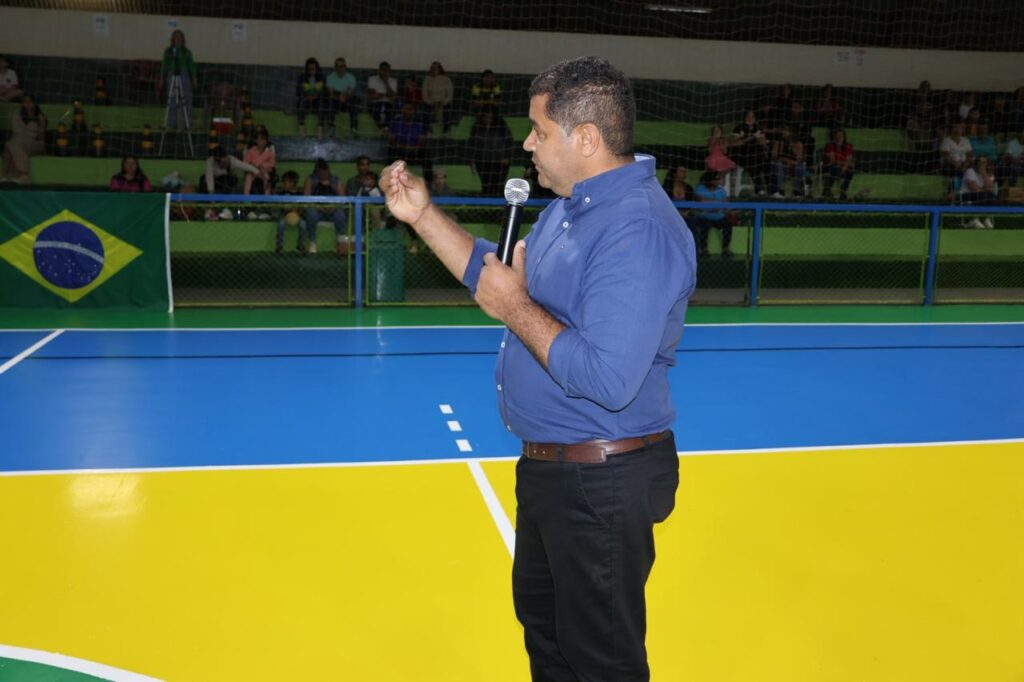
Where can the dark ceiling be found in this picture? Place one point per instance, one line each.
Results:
(987, 25)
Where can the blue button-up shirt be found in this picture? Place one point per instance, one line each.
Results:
(615, 264)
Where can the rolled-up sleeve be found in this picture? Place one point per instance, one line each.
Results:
(633, 280)
(471, 277)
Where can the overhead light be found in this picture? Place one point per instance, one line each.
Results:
(683, 9)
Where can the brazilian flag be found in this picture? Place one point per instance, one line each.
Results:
(83, 250)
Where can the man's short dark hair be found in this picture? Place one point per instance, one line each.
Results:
(290, 175)
(590, 90)
(384, 65)
(361, 158)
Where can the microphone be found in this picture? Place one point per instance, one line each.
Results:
(517, 191)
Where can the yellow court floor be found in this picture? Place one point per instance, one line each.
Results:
(879, 564)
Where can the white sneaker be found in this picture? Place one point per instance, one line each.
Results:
(251, 215)
(263, 216)
(976, 225)
(989, 225)
(312, 247)
(226, 214)
(778, 195)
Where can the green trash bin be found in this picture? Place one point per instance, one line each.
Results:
(385, 272)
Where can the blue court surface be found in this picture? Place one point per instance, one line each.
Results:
(196, 398)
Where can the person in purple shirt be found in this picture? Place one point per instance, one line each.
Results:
(594, 303)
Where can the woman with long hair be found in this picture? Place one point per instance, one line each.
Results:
(28, 138)
(131, 178)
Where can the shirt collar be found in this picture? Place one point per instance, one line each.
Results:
(591, 191)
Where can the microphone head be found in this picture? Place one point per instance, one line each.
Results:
(517, 191)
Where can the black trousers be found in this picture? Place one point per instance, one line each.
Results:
(584, 549)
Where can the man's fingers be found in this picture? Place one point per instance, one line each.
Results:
(519, 256)
(490, 258)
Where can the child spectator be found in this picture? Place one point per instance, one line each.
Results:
(290, 217)
(131, 178)
(9, 90)
(837, 164)
(28, 136)
(979, 188)
(178, 62)
(983, 144)
(309, 97)
(220, 178)
(788, 161)
(440, 187)
(381, 91)
(717, 160)
(263, 157)
(956, 154)
(702, 222)
(439, 94)
(322, 183)
(342, 97)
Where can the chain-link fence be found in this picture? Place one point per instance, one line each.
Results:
(843, 257)
(980, 258)
(302, 251)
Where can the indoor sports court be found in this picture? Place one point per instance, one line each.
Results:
(337, 503)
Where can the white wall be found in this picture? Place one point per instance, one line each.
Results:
(227, 41)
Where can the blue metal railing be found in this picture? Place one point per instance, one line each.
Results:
(934, 213)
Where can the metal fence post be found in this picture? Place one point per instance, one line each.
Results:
(358, 259)
(755, 257)
(933, 257)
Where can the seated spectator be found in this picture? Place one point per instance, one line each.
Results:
(490, 147)
(439, 96)
(9, 89)
(970, 101)
(28, 139)
(357, 181)
(782, 105)
(676, 186)
(828, 112)
(973, 120)
(263, 157)
(837, 164)
(407, 139)
(309, 97)
(131, 178)
(1012, 165)
(920, 127)
(342, 97)
(717, 159)
(801, 126)
(752, 151)
(956, 154)
(701, 222)
(486, 93)
(923, 94)
(381, 92)
(219, 177)
(290, 217)
(979, 188)
(983, 144)
(411, 93)
(1000, 120)
(321, 183)
(788, 161)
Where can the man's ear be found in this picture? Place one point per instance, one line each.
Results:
(590, 140)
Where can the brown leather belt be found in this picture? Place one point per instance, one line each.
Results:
(590, 452)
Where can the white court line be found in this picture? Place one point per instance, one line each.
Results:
(464, 445)
(29, 351)
(446, 409)
(508, 534)
(78, 665)
(496, 458)
(455, 426)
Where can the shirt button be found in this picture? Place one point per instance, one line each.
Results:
(565, 224)
(502, 344)
(499, 387)
(508, 427)
(587, 200)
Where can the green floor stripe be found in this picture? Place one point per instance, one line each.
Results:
(21, 671)
(426, 316)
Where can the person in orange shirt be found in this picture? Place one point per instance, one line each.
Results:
(264, 158)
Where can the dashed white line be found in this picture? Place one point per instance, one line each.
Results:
(446, 409)
(453, 425)
(464, 445)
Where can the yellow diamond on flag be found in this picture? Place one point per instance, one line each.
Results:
(68, 255)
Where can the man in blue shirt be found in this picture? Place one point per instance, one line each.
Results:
(594, 304)
(341, 96)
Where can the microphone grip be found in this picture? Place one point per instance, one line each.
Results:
(509, 233)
